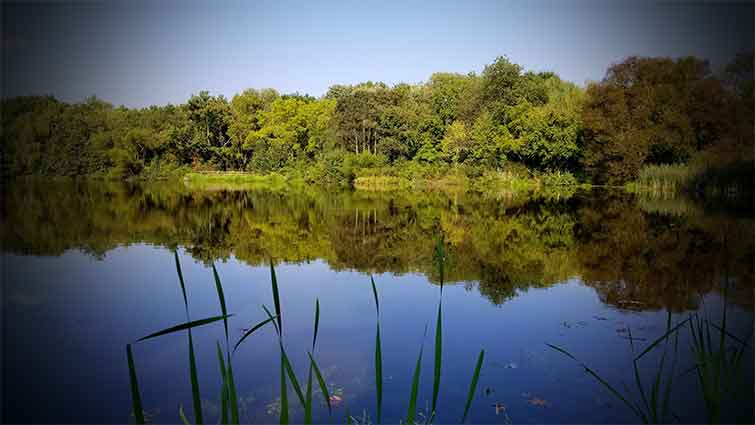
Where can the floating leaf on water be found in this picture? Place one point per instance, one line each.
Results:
(536, 401)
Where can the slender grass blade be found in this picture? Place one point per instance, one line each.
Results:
(224, 390)
(284, 394)
(181, 281)
(438, 358)
(184, 326)
(182, 415)
(661, 338)
(276, 297)
(415, 389)
(196, 399)
(292, 377)
(308, 397)
(136, 399)
(321, 382)
(232, 393)
(374, 294)
(272, 317)
(378, 356)
(473, 384)
(251, 331)
(378, 374)
(317, 322)
(221, 297)
(603, 382)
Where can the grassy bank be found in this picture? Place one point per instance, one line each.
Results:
(219, 180)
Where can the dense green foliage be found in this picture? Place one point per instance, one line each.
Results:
(645, 111)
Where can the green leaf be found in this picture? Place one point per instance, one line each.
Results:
(276, 298)
(374, 294)
(415, 389)
(196, 399)
(661, 338)
(378, 374)
(136, 399)
(224, 390)
(284, 394)
(603, 382)
(272, 317)
(184, 326)
(292, 376)
(473, 384)
(181, 281)
(232, 393)
(321, 382)
(251, 331)
(221, 297)
(317, 322)
(308, 397)
(183, 415)
(438, 356)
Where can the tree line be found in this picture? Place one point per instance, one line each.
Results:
(645, 111)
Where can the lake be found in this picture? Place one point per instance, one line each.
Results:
(88, 267)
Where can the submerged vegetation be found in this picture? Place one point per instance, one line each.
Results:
(502, 124)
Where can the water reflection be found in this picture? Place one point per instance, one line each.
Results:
(635, 254)
(81, 281)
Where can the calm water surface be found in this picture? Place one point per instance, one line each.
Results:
(88, 268)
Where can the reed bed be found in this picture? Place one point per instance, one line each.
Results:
(229, 404)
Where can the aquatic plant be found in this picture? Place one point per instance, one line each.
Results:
(229, 412)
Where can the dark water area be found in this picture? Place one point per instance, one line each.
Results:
(88, 267)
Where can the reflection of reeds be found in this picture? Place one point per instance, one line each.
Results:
(229, 403)
(662, 180)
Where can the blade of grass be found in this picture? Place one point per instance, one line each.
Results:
(224, 391)
(321, 382)
(136, 399)
(184, 326)
(374, 294)
(415, 388)
(182, 415)
(232, 393)
(661, 338)
(473, 384)
(284, 394)
(292, 377)
(181, 281)
(276, 297)
(251, 331)
(438, 356)
(272, 317)
(221, 297)
(196, 399)
(308, 399)
(603, 382)
(378, 355)
(378, 374)
(317, 322)
(637, 379)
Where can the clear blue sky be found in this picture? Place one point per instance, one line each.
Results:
(139, 53)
